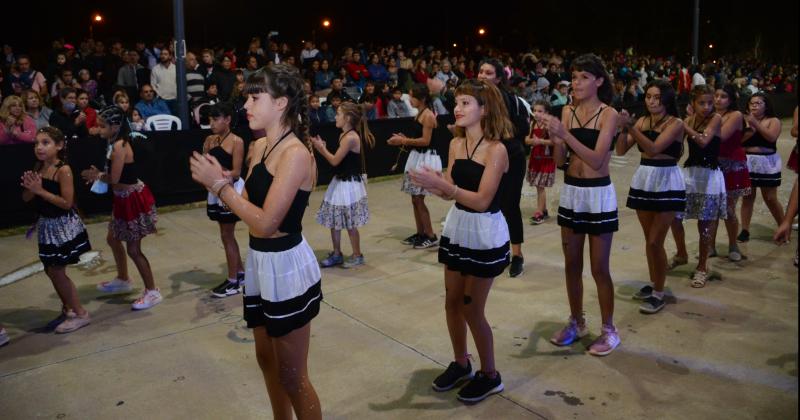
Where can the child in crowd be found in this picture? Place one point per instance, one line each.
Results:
(541, 166)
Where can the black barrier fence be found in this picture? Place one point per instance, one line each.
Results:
(163, 161)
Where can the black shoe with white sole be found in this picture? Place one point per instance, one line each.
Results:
(517, 263)
(480, 387)
(227, 288)
(454, 374)
(652, 305)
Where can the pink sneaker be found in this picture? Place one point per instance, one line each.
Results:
(149, 299)
(606, 343)
(72, 323)
(570, 333)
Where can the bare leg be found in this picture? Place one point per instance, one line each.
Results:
(135, 252)
(336, 238)
(704, 229)
(646, 220)
(732, 222)
(292, 356)
(417, 215)
(454, 313)
(474, 312)
(655, 244)
(232, 255)
(541, 199)
(679, 235)
(770, 196)
(572, 244)
(424, 215)
(355, 241)
(119, 256)
(748, 201)
(599, 254)
(65, 289)
(268, 362)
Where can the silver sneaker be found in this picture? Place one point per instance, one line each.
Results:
(354, 261)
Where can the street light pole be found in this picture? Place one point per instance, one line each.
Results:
(696, 33)
(180, 62)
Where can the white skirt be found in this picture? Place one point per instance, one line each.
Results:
(588, 205)
(765, 170)
(475, 244)
(417, 160)
(216, 209)
(282, 284)
(706, 198)
(344, 205)
(657, 185)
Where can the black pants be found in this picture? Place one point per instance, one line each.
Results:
(512, 193)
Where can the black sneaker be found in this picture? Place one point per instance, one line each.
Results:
(480, 387)
(516, 265)
(644, 293)
(227, 288)
(744, 236)
(426, 242)
(411, 240)
(652, 305)
(452, 376)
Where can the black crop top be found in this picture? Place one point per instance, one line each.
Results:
(467, 174)
(130, 174)
(258, 184)
(44, 207)
(349, 169)
(757, 140)
(674, 150)
(416, 133)
(224, 158)
(706, 157)
(588, 136)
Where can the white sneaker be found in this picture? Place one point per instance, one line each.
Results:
(3, 337)
(149, 299)
(115, 286)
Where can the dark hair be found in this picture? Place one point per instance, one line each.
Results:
(356, 116)
(279, 81)
(421, 93)
(593, 65)
(701, 90)
(769, 112)
(542, 103)
(499, 71)
(667, 93)
(65, 91)
(221, 109)
(733, 96)
(58, 138)
(113, 115)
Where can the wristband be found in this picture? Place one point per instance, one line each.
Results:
(217, 186)
(453, 195)
(219, 191)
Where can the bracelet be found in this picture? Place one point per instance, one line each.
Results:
(219, 191)
(453, 195)
(219, 184)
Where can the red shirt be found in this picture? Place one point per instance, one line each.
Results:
(91, 117)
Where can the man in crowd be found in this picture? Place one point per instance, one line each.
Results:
(23, 77)
(163, 80)
(149, 104)
(195, 81)
(337, 87)
(128, 75)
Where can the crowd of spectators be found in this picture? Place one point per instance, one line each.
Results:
(66, 89)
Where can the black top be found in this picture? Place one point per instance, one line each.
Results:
(44, 207)
(225, 159)
(258, 184)
(66, 123)
(350, 168)
(416, 133)
(674, 150)
(757, 140)
(518, 115)
(706, 157)
(467, 174)
(588, 136)
(130, 174)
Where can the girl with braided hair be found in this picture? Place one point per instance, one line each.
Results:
(133, 213)
(282, 287)
(345, 202)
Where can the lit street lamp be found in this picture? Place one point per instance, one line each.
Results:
(481, 31)
(97, 18)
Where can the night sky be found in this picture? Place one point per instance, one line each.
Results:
(657, 27)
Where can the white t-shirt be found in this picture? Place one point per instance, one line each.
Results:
(698, 80)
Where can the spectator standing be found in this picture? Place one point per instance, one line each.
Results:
(24, 77)
(163, 80)
(15, 125)
(70, 120)
(36, 109)
(195, 81)
(150, 104)
(82, 102)
(127, 75)
(226, 77)
(308, 53)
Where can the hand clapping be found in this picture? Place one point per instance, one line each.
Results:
(206, 170)
(32, 181)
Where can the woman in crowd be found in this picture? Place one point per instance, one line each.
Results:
(228, 149)
(87, 84)
(323, 79)
(68, 118)
(475, 239)
(423, 154)
(420, 71)
(15, 125)
(732, 162)
(282, 290)
(588, 203)
(706, 199)
(345, 203)
(62, 235)
(541, 166)
(492, 71)
(82, 104)
(763, 162)
(133, 214)
(657, 190)
(36, 109)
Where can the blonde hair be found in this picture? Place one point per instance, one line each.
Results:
(24, 96)
(7, 102)
(494, 123)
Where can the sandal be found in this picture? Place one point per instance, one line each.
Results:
(676, 261)
(699, 279)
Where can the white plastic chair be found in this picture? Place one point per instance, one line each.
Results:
(197, 115)
(162, 122)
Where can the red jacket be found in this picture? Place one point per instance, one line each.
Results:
(356, 70)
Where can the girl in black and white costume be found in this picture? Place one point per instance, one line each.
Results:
(228, 149)
(282, 290)
(475, 240)
(763, 161)
(345, 203)
(423, 154)
(657, 190)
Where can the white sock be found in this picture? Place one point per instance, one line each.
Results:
(658, 295)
